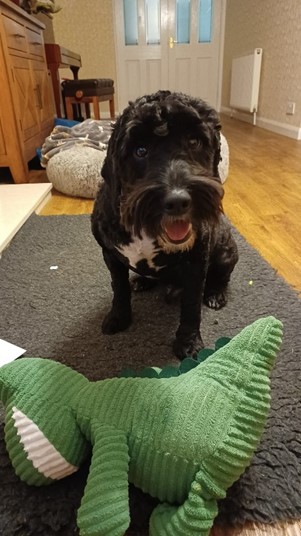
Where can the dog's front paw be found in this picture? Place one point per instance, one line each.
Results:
(215, 300)
(114, 322)
(187, 346)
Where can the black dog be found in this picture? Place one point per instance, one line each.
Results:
(159, 210)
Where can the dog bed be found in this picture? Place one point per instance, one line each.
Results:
(223, 166)
(73, 156)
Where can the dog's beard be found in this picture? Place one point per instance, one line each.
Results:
(142, 207)
(176, 235)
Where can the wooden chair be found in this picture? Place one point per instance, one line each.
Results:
(88, 91)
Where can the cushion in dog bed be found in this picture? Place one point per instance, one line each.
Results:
(76, 172)
(223, 166)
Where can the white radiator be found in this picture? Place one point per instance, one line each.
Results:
(245, 80)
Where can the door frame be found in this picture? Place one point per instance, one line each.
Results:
(117, 10)
(221, 54)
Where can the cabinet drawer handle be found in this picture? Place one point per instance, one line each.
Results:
(19, 36)
(36, 43)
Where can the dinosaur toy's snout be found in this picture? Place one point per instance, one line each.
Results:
(42, 436)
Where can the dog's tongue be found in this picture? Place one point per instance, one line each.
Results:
(177, 230)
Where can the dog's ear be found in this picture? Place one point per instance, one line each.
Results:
(212, 128)
(111, 178)
(117, 145)
(105, 172)
(217, 151)
(109, 171)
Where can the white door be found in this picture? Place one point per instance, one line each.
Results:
(169, 44)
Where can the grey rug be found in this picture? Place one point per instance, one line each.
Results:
(58, 313)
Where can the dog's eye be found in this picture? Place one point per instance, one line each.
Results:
(194, 143)
(141, 151)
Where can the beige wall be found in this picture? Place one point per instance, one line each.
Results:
(86, 27)
(274, 26)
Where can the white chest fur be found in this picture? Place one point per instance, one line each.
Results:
(140, 249)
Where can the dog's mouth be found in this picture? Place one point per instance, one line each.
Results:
(177, 231)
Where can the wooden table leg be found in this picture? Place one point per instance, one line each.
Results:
(56, 87)
(69, 109)
(74, 71)
(112, 107)
(96, 108)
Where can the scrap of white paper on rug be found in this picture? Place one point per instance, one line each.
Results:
(9, 352)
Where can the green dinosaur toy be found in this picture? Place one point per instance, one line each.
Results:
(183, 439)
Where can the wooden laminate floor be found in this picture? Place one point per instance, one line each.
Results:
(263, 201)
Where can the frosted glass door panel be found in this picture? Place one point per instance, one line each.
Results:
(205, 21)
(130, 13)
(183, 21)
(152, 12)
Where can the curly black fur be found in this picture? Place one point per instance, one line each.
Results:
(160, 180)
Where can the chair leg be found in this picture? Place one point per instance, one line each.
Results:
(96, 108)
(87, 108)
(112, 107)
(69, 110)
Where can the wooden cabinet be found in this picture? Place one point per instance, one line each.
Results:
(26, 96)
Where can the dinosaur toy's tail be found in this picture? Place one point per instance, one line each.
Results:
(235, 405)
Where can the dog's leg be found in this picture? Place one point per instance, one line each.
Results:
(141, 284)
(224, 258)
(188, 337)
(120, 316)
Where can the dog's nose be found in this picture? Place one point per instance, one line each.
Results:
(177, 202)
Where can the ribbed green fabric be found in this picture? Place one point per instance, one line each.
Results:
(104, 508)
(38, 388)
(183, 439)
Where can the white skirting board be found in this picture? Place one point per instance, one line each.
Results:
(290, 131)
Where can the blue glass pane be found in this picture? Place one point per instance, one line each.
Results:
(130, 22)
(205, 21)
(152, 11)
(183, 21)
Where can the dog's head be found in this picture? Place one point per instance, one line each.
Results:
(162, 167)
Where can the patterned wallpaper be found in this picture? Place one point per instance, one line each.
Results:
(86, 27)
(274, 26)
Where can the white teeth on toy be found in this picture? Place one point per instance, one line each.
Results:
(42, 454)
